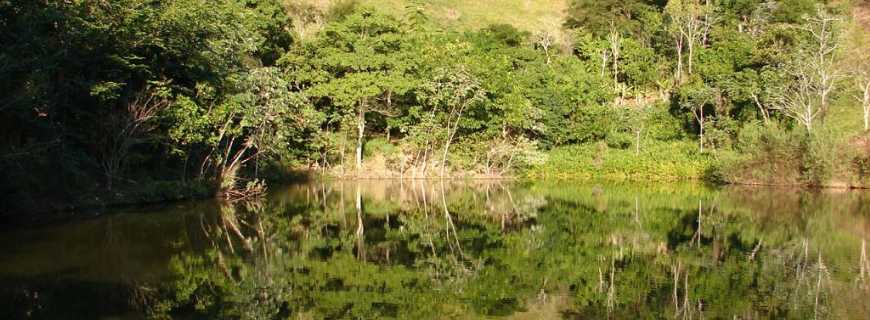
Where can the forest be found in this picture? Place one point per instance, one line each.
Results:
(132, 101)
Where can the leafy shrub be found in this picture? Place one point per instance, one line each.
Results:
(817, 158)
(496, 155)
(761, 155)
(379, 146)
(593, 123)
(775, 155)
(660, 124)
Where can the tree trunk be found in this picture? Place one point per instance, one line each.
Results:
(866, 106)
(701, 131)
(451, 132)
(679, 75)
(691, 45)
(616, 67)
(615, 52)
(761, 109)
(444, 155)
(808, 118)
(361, 127)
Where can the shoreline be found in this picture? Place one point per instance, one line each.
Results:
(78, 209)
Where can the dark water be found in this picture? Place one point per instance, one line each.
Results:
(445, 251)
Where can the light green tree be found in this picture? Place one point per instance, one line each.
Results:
(453, 91)
(360, 66)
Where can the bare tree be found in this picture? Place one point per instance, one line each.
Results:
(679, 43)
(755, 23)
(859, 59)
(865, 103)
(615, 41)
(825, 31)
(128, 128)
(689, 24)
(605, 56)
(545, 40)
(813, 72)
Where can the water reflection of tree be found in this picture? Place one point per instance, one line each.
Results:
(435, 251)
(238, 277)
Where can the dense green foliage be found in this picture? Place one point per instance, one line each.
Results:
(105, 97)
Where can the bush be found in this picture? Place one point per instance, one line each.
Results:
(496, 155)
(761, 155)
(593, 123)
(379, 146)
(778, 156)
(818, 152)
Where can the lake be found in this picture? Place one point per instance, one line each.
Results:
(431, 250)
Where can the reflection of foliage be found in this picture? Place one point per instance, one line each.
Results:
(425, 251)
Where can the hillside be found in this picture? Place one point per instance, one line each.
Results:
(862, 13)
(530, 15)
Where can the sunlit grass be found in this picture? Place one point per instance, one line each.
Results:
(530, 15)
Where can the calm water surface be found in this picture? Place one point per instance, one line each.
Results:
(454, 250)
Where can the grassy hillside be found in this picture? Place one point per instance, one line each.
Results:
(530, 15)
(862, 13)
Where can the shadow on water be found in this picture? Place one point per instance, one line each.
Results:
(417, 249)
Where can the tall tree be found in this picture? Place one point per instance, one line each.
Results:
(359, 65)
(596, 16)
(453, 91)
(858, 57)
(689, 23)
(813, 71)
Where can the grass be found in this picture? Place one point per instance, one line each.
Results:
(659, 161)
(529, 15)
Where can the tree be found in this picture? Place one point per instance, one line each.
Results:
(257, 121)
(545, 40)
(596, 16)
(128, 127)
(813, 71)
(695, 96)
(453, 91)
(615, 41)
(86, 78)
(689, 23)
(858, 58)
(359, 65)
